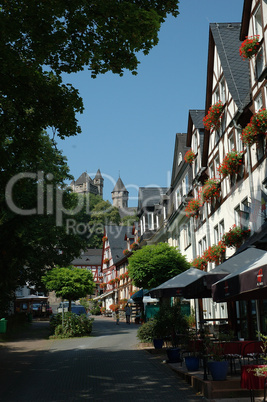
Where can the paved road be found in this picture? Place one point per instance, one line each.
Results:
(106, 366)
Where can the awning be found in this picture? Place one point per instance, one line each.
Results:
(138, 296)
(190, 284)
(32, 298)
(247, 281)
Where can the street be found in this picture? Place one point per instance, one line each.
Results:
(107, 366)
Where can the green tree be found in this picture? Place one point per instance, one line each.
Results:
(154, 264)
(95, 214)
(69, 282)
(129, 220)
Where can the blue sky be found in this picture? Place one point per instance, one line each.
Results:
(129, 123)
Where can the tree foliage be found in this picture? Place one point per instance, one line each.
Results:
(69, 282)
(154, 264)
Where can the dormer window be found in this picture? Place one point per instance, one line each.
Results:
(180, 158)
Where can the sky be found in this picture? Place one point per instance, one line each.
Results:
(129, 123)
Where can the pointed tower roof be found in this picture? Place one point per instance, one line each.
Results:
(98, 175)
(119, 186)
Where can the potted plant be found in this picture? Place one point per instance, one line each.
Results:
(235, 236)
(104, 238)
(192, 354)
(231, 163)
(249, 135)
(193, 207)
(213, 118)
(200, 263)
(126, 251)
(211, 189)
(106, 260)
(173, 325)
(134, 246)
(249, 47)
(217, 365)
(190, 156)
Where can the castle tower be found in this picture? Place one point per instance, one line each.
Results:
(120, 195)
(99, 182)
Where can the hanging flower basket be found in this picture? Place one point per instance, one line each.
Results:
(199, 263)
(104, 238)
(103, 285)
(114, 307)
(249, 47)
(193, 207)
(211, 189)
(231, 163)
(189, 156)
(215, 253)
(126, 251)
(235, 236)
(117, 280)
(249, 135)
(134, 246)
(213, 118)
(111, 282)
(259, 121)
(106, 260)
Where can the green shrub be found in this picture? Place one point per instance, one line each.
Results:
(146, 333)
(95, 310)
(73, 325)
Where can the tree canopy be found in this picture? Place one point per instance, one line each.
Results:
(69, 282)
(154, 264)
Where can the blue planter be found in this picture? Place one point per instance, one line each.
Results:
(192, 363)
(158, 343)
(174, 355)
(218, 370)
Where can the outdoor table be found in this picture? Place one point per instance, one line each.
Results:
(251, 381)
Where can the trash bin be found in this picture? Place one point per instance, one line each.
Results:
(3, 325)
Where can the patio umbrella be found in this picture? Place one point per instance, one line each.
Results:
(247, 281)
(192, 283)
(138, 296)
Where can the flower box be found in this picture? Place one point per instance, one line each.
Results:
(249, 47)
(126, 251)
(193, 207)
(199, 263)
(213, 118)
(189, 156)
(103, 285)
(211, 189)
(235, 236)
(106, 260)
(249, 135)
(134, 246)
(259, 121)
(215, 253)
(231, 163)
(104, 238)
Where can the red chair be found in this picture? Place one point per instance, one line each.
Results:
(232, 352)
(251, 352)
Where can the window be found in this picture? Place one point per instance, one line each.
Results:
(258, 103)
(221, 229)
(258, 22)
(185, 185)
(260, 147)
(204, 243)
(180, 158)
(178, 197)
(216, 234)
(237, 216)
(150, 222)
(187, 235)
(217, 95)
(231, 142)
(239, 143)
(245, 212)
(222, 91)
(217, 164)
(200, 250)
(259, 63)
(194, 142)
(211, 170)
(223, 124)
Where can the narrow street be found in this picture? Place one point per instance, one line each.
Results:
(104, 367)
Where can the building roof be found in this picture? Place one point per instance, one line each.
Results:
(180, 149)
(235, 69)
(84, 178)
(98, 175)
(116, 239)
(89, 257)
(150, 196)
(119, 186)
(197, 118)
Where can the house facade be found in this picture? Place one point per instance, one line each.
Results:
(226, 185)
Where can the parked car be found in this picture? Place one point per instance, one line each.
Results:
(65, 306)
